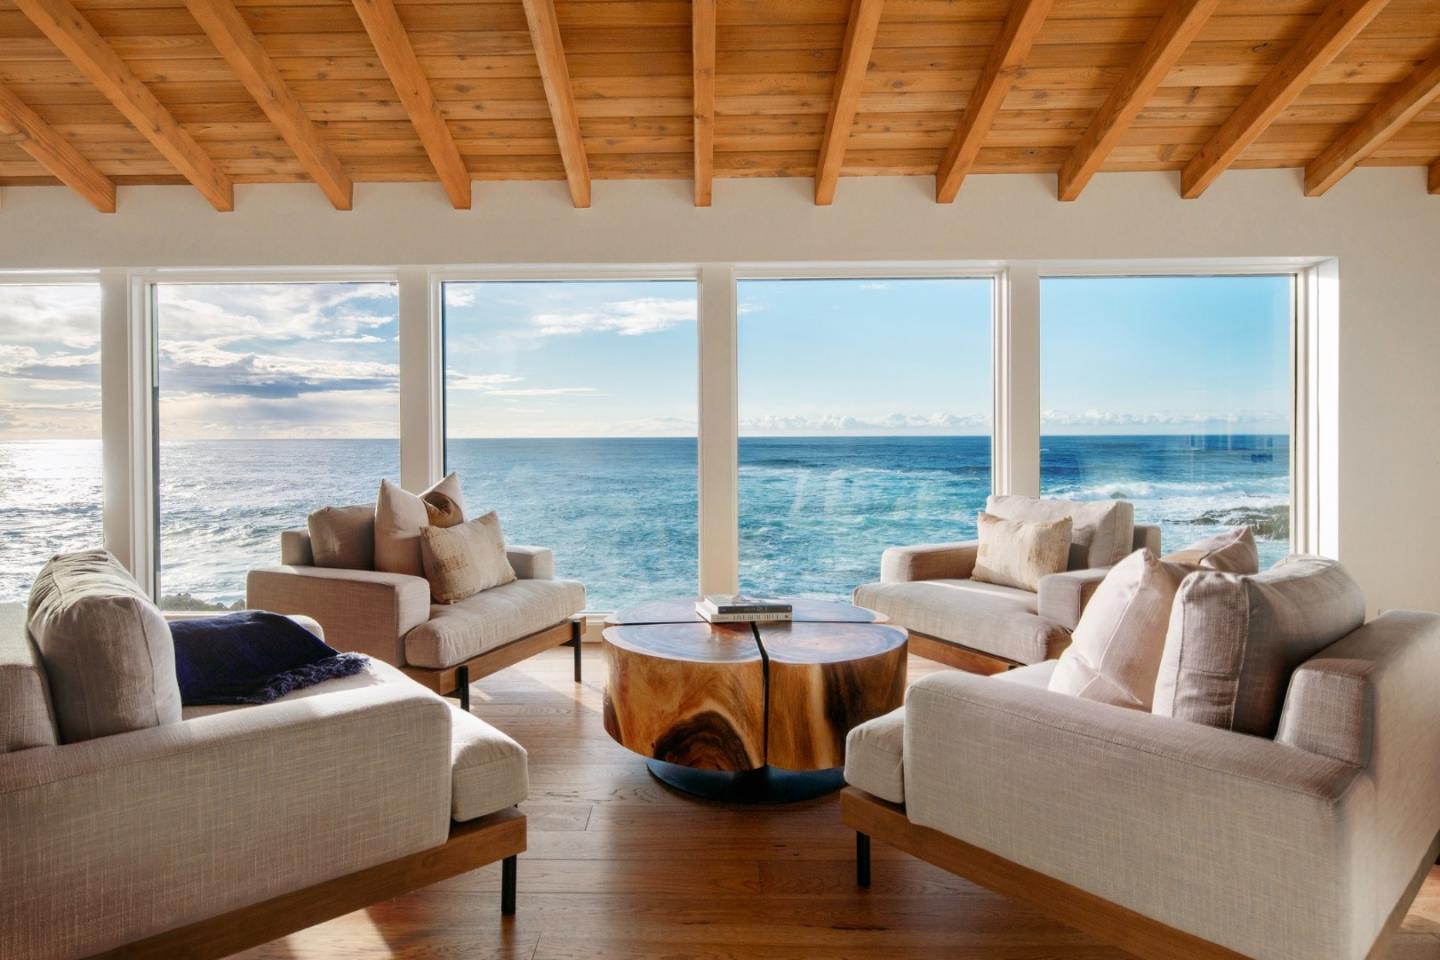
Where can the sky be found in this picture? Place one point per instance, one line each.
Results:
(548, 359)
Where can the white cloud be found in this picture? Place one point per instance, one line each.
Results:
(1111, 418)
(628, 318)
(895, 423)
(875, 286)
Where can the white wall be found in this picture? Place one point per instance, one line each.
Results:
(1380, 224)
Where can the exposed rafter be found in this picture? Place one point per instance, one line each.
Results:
(397, 56)
(702, 31)
(555, 75)
(54, 152)
(232, 36)
(1176, 30)
(1398, 107)
(849, 84)
(87, 50)
(1004, 64)
(1337, 25)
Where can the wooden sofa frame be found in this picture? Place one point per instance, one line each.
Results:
(456, 679)
(471, 845)
(958, 656)
(870, 817)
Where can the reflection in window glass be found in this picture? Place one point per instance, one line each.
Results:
(570, 408)
(275, 400)
(865, 419)
(1173, 393)
(50, 480)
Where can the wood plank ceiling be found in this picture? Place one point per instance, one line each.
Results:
(95, 93)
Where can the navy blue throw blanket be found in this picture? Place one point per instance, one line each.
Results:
(252, 657)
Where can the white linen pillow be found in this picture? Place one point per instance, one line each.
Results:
(1116, 648)
(1014, 553)
(400, 516)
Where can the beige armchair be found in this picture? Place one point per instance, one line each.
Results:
(988, 628)
(389, 616)
(1166, 837)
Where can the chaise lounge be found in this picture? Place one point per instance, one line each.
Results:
(220, 828)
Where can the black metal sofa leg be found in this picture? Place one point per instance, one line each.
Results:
(507, 886)
(862, 859)
(577, 631)
(462, 685)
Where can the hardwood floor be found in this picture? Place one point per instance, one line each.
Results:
(620, 867)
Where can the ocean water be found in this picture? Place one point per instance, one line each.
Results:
(815, 513)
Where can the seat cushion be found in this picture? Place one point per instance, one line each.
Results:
(106, 648)
(487, 769)
(1000, 621)
(1102, 533)
(26, 719)
(874, 756)
(458, 631)
(1233, 641)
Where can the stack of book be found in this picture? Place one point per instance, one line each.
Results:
(738, 608)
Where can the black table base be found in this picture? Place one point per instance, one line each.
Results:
(762, 785)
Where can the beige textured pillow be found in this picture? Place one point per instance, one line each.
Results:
(461, 561)
(1232, 551)
(1017, 554)
(400, 516)
(343, 537)
(1115, 651)
(1234, 640)
(106, 649)
(1102, 532)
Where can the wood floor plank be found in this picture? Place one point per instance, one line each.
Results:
(620, 867)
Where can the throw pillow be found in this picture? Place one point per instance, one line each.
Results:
(462, 561)
(1234, 640)
(343, 537)
(1115, 650)
(400, 516)
(105, 647)
(1102, 532)
(1232, 551)
(1013, 553)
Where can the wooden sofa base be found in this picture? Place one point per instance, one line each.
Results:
(500, 836)
(954, 655)
(870, 817)
(456, 679)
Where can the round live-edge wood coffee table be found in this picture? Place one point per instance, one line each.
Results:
(748, 713)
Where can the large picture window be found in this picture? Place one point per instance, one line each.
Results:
(275, 399)
(1173, 393)
(50, 466)
(570, 408)
(865, 421)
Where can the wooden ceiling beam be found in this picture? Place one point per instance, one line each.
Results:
(232, 36)
(1006, 60)
(702, 27)
(860, 34)
(1397, 108)
(87, 50)
(37, 138)
(1331, 32)
(555, 76)
(412, 86)
(1167, 42)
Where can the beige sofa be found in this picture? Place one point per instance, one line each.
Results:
(389, 616)
(237, 825)
(988, 628)
(1167, 837)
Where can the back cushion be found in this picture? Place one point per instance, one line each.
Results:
(26, 719)
(343, 537)
(1233, 640)
(1102, 532)
(107, 650)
